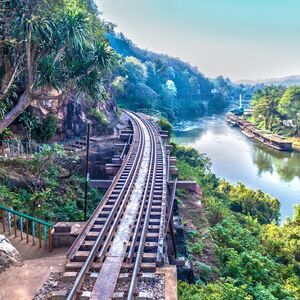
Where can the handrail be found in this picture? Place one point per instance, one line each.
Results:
(25, 225)
(18, 148)
(20, 214)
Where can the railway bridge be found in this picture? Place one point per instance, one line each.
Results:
(128, 236)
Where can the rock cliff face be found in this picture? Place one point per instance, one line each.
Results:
(8, 254)
(72, 113)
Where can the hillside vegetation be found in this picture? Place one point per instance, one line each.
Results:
(278, 109)
(151, 81)
(49, 186)
(50, 50)
(256, 258)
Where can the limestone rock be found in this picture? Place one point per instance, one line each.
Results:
(8, 254)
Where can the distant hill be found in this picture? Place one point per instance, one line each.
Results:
(169, 85)
(286, 81)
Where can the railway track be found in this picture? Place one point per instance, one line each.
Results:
(124, 240)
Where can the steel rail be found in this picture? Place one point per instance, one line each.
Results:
(138, 259)
(152, 161)
(77, 243)
(150, 176)
(85, 268)
(120, 212)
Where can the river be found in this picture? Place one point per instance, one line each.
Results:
(237, 158)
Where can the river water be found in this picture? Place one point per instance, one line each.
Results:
(237, 158)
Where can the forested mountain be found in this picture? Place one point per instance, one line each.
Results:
(147, 80)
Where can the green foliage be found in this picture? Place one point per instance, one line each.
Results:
(265, 104)
(206, 272)
(289, 105)
(256, 259)
(99, 116)
(41, 130)
(165, 125)
(173, 88)
(217, 104)
(283, 242)
(249, 202)
(30, 122)
(6, 134)
(195, 248)
(50, 187)
(213, 291)
(191, 156)
(45, 129)
(73, 56)
(275, 105)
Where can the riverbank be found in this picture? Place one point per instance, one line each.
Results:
(252, 256)
(251, 131)
(236, 158)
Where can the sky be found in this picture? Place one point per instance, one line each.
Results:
(239, 39)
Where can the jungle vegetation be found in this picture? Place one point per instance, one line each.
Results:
(256, 258)
(50, 49)
(277, 109)
(48, 186)
(160, 83)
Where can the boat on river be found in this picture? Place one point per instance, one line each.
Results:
(271, 140)
(231, 121)
(248, 134)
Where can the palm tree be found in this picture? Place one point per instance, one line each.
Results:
(48, 47)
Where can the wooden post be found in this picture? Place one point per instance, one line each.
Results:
(27, 229)
(21, 229)
(33, 233)
(40, 236)
(49, 240)
(3, 220)
(15, 225)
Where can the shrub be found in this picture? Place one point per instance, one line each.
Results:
(205, 271)
(45, 129)
(6, 134)
(166, 125)
(30, 122)
(196, 248)
(99, 116)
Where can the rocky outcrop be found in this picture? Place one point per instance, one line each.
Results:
(8, 254)
(72, 113)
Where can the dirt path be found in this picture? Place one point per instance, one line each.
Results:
(21, 283)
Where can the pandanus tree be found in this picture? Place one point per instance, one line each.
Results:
(50, 50)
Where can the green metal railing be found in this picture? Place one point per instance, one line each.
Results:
(31, 228)
(16, 148)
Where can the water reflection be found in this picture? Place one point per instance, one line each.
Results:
(286, 165)
(237, 158)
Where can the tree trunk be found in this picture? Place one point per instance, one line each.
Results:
(23, 103)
